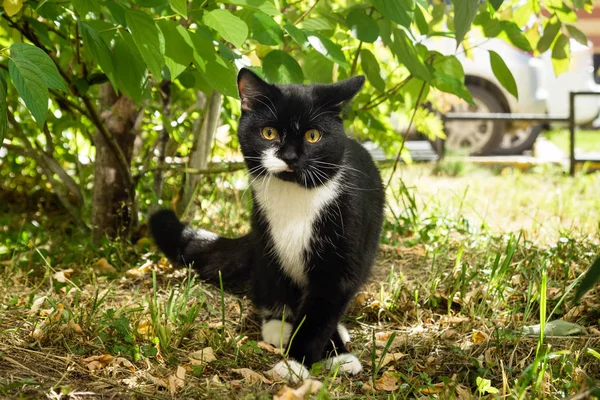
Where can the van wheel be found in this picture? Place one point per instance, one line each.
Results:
(519, 138)
(476, 137)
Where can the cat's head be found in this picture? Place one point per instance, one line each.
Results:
(293, 132)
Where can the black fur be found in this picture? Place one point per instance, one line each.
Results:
(345, 235)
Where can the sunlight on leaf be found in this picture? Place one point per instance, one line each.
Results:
(12, 6)
(309, 386)
(388, 382)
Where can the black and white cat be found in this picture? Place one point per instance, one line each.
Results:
(316, 221)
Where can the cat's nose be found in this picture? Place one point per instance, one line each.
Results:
(289, 156)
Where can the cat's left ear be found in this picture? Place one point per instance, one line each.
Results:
(251, 87)
(340, 93)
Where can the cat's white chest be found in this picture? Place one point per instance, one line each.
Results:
(291, 211)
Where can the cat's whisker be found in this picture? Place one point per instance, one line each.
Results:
(265, 104)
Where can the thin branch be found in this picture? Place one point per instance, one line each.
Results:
(412, 119)
(306, 13)
(229, 167)
(355, 61)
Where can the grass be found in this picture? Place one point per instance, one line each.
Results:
(466, 262)
(585, 141)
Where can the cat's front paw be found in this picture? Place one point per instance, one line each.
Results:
(348, 363)
(276, 333)
(291, 370)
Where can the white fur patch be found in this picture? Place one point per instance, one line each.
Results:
(291, 370)
(348, 363)
(276, 333)
(291, 210)
(343, 332)
(272, 163)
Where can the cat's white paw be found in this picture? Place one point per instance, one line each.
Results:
(348, 363)
(291, 370)
(276, 333)
(343, 332)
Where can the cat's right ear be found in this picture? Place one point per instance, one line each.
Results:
(250, 88)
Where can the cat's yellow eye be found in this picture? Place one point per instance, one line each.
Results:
(312, 136)
(269, 133)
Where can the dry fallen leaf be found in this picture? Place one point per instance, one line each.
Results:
(203, 356)
(63, 276)
(160, 382)
(387, 382)
(435, 389)
(74, 327)
(37, 304)
(463, 393)
(103, 267)
(96, 363)
(268, 347)
(251, 376)
(309, 386)
(144, 327)
(479, 337)
(176, 381)
(390, 357)
(124, 363)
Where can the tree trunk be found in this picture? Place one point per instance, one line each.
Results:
(112, 208)
(199, 157)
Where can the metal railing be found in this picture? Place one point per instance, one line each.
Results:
(570, 120)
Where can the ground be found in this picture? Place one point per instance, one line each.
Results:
(471, 260)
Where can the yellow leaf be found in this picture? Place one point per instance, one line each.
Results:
(103, 267)
(479, 337)
(389, 357)
(309, 386)
(387, 382)
(251, 376)
(96, 363)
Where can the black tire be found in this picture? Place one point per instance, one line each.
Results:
(522, 145)
(498, 127)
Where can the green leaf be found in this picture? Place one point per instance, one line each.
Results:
(450, 84)
(31, 85)
(332, 51)
(405, 51)
(230, 27)
(178, 47)
(464, 13)
(117, 11)
(561, 54)
(503, 74)
(38, 57)
(577, 35)
(371, 68)
(98, 48)
(550, 31)
(396, 10)
(265, 30)
(83, 7)
(222, 76)
(297, 35)
(318, 68)
(147, 39)
(3, 108)
(317, 24)
(496, 4)
(421, 21)
(280, 67)
(362, 26)
(516, 36)
(265, 6)
(204, 50)
(130, 68)
(179, 6)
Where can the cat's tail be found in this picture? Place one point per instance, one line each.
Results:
(206, 252)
